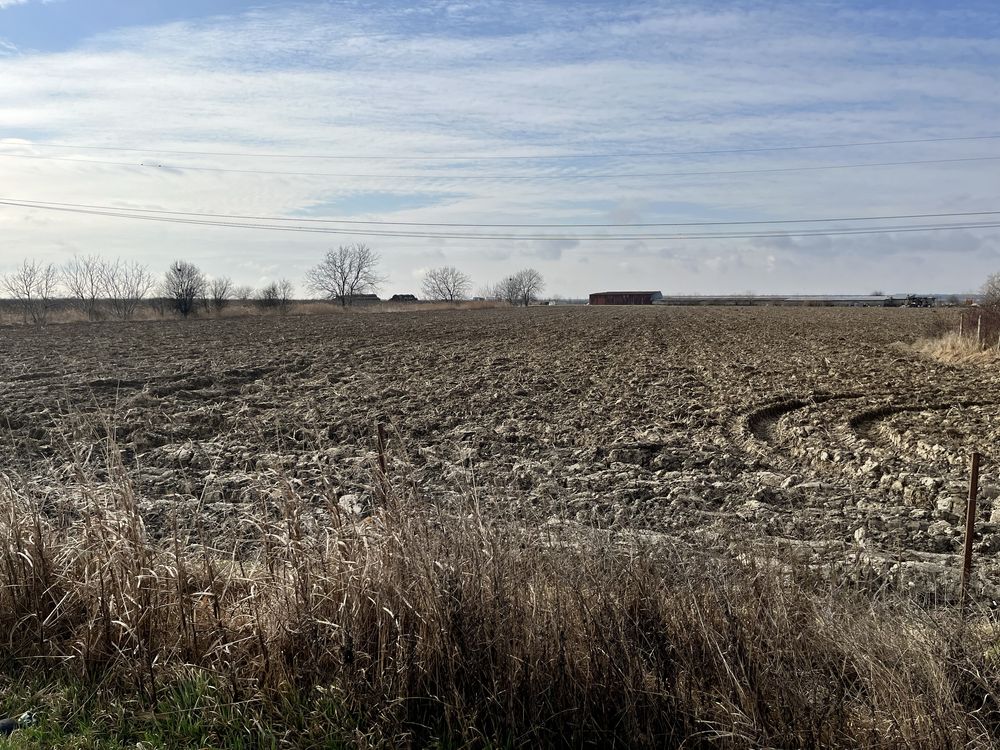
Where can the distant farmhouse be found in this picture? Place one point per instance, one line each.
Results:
(403, 298)
(625, 298)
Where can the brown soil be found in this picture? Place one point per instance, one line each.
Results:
(811, 428)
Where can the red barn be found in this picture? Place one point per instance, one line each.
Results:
(624, 298)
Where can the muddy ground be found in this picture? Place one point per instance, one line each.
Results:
(818, 430)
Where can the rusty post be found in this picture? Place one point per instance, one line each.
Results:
(970, 527)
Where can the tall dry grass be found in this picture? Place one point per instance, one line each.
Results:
(65, 311)
(425, 625)
(956, 348)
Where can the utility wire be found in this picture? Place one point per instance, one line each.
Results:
(468, 236)
(512, 157)
(484, 225)
(447, 177)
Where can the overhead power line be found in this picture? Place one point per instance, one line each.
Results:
(493, 237)
(503, 177)
(490, 225)
(506, 157)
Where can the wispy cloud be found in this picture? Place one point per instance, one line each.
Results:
(12, 3)
(514, 78)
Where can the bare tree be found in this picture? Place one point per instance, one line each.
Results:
(990, 290)
(33, 286)
(243, 292)
(506, 290)
(276, 296)
(286, 292)
(446, 284)
(84, 280)
(126, 285)
(490, 292)
(529, 284)
(345, 272)
(521, 288)
(532, 285)
(184, 286)
(221, 290)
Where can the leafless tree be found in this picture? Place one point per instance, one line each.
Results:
(990, 290)
(243, 292)
(184, 286)
(276, 296)
(126, 285)
(33, 286)
(84, 280)
(531, 285)
(221, 290)
(446, 284)
(286, 292)
(521, 288)
(490, 292)
(505, 290)
(345, 272)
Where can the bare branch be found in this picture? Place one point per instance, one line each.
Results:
(221, 290)
(276, 296)
(33, 286)
(348, 271)
(126, 285)
(184, 286)
(243, 292)
(84, 278)
(991, 290)
(446, 284)
(521, 288)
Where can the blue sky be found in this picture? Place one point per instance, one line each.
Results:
(417, 84)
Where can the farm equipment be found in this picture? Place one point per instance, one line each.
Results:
(915, 300)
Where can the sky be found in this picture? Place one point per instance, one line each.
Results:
(494, 112)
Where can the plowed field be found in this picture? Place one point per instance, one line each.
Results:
(816, 429)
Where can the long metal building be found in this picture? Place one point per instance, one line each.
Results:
(625, 298)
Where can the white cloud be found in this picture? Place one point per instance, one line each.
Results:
(12, 3)
(677, 79)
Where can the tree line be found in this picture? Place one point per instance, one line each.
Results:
(101, 288)
(186, 289)
(349, 271)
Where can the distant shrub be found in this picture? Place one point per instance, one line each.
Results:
(276, 296)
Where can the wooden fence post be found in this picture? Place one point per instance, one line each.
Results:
(383, 479)
(970, 527)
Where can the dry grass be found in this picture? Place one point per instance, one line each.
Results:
(429, 626)
(958, 349)
(64, 311)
